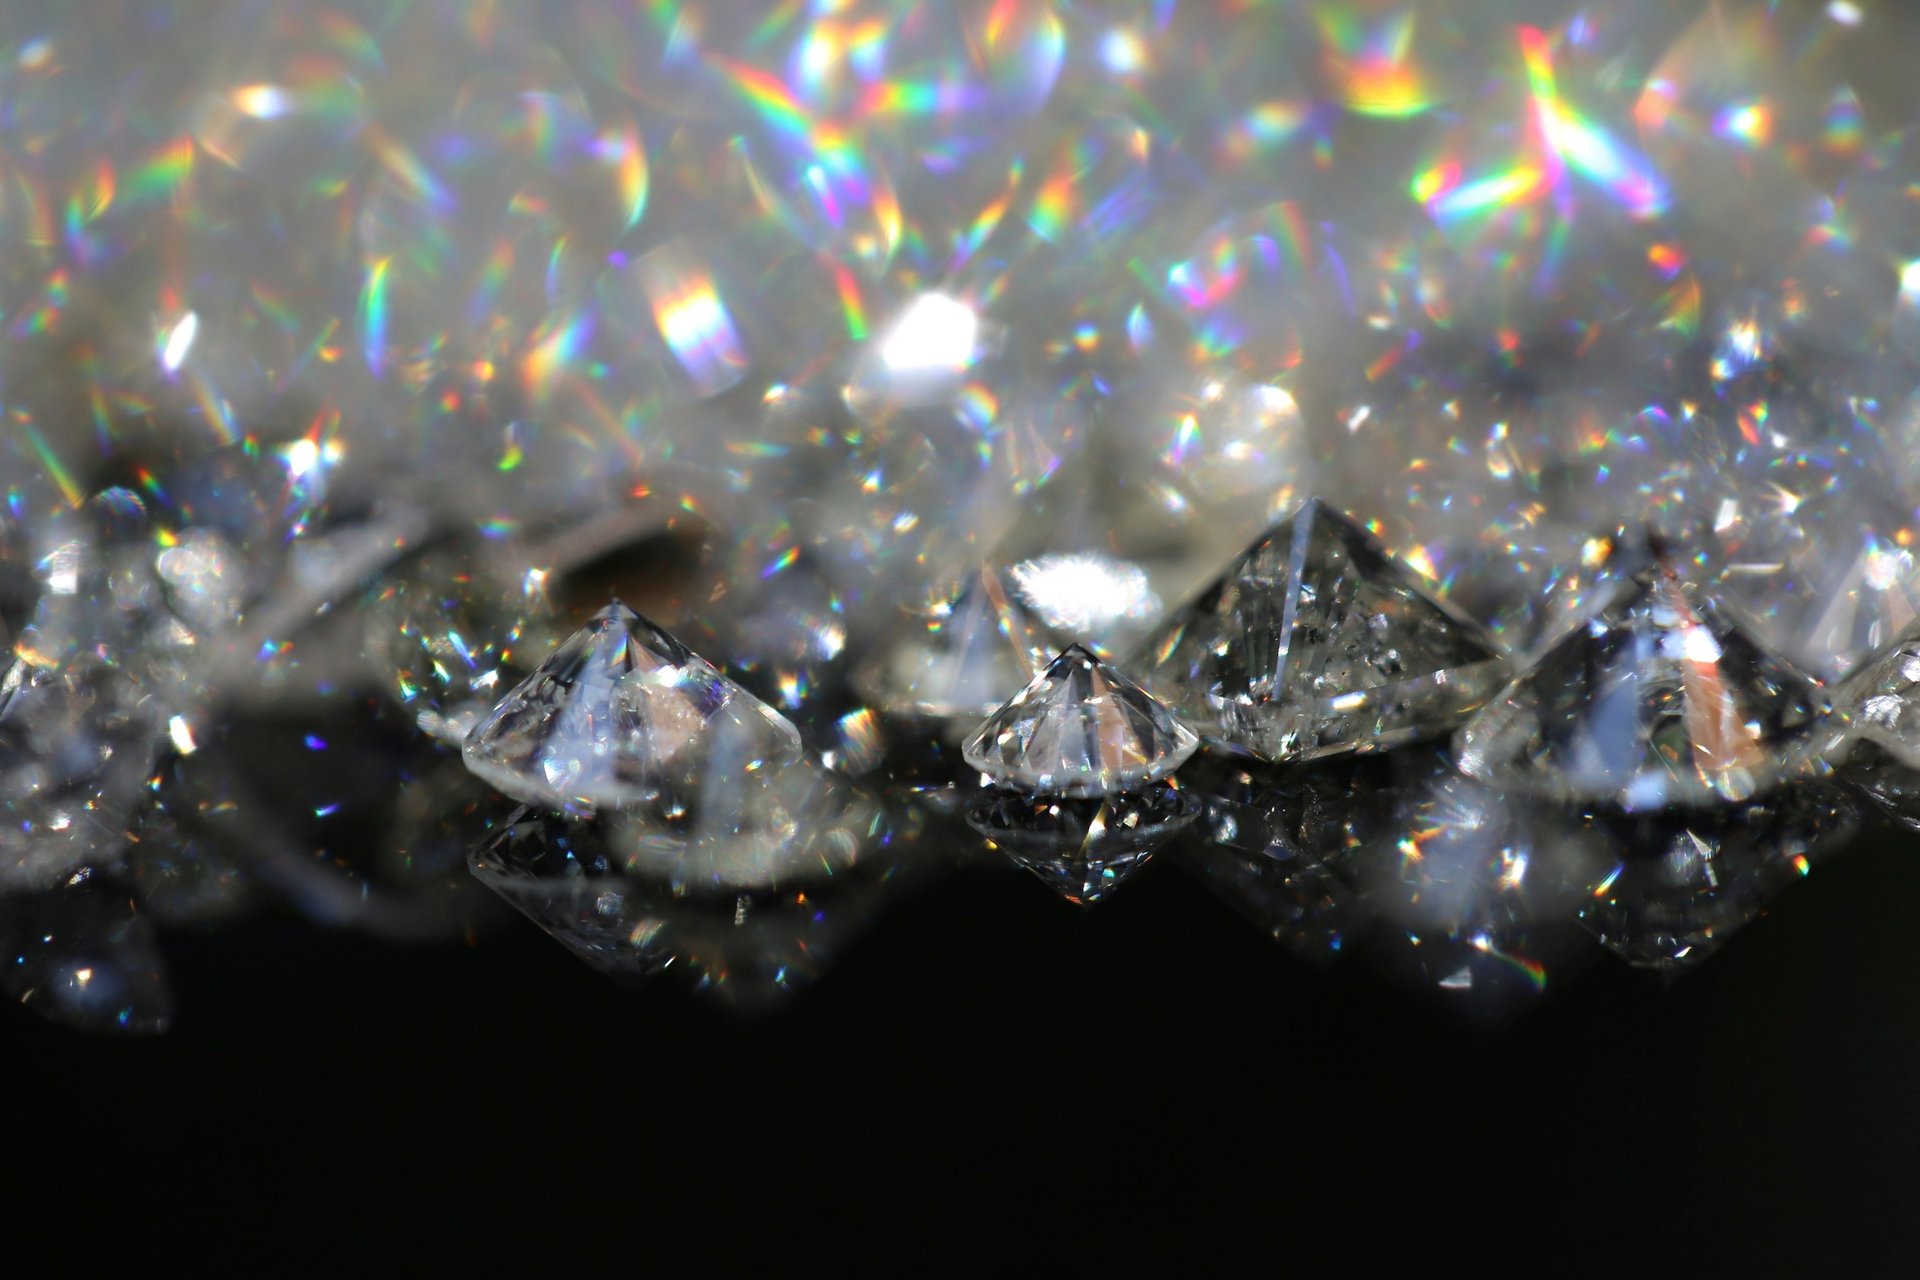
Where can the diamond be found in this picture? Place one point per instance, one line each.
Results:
(445, 633)
(961, 655)
(1314, 642)
(1882, 702)
(747, 823)
(1657, 699)
(1678, 890)
(1080, 729)
(619, 713)
(749, 947)
(1084, 849)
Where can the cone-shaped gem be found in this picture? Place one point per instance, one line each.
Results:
(1084, 849)
(1658, 699)
(621, 713)
(959, 657)
(1314, 642)
(1080, 729)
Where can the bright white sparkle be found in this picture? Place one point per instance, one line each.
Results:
(179, 342)
(936, 332)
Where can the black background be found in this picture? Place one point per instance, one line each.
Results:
(991, 1079)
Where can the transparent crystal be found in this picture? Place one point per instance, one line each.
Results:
(750, 948)
(958, 656)
(1659, 698)
(1084, 849)
(1081, 728)
(1881, 703)
(1679, 888)
(747, 822)
(1313, 643)
(1272, 840)
(619, 713)
(450, 639)
(76, 741)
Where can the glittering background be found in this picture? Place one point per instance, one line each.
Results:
(780, 319)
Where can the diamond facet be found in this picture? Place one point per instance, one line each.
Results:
(1657, 699)
(620, 713)
(1080, 729)
(1314, 642)
(1084, 849)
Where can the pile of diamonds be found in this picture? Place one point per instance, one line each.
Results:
(694, 474)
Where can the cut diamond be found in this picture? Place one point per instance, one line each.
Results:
(1657, 699)
(959, 656)
(1883, 702)
(1678, 890)
(1084, 849)
(1080, 729)
(619, 714)
(1314, 642)
(750, 948)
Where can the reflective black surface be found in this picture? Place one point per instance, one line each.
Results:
(996, 1078)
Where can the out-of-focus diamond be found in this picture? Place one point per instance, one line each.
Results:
(450, 640)
(1080, 729)
(76, 740)
(747, 822)
(748, 947)
(1313, 642)
(1658, 699)
(84, 956)
(958, 656)
(1272, 844)
(1679, 888)
(618, 713)
(1084, 849)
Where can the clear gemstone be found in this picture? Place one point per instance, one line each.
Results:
(749, 947)
(1658, 699)
(1084, 849)
(1679, 888)
(618, 714)
(1314, 642)
(958, 656)
(747, 822)
(1882, 702)
(1081, 728)
(449, 639)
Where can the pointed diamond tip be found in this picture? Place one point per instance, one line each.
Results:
(1316, 642)
(1080, 729)
(1660, 698)
(619, 712)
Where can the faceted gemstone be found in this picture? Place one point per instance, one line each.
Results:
(449, 639)
(76, 741)
(1659, 698)
(1273, 839)
(1314, 642)
(749, 947)
(1678, 888)
(747, 822)
(1084, 849)
(1882, 702)
(1887, 780)
(1442, 883)
(620, 713)
(82, 955)
(958, 656)
(1080, 729)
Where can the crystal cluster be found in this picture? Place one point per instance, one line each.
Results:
(1442, 472)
